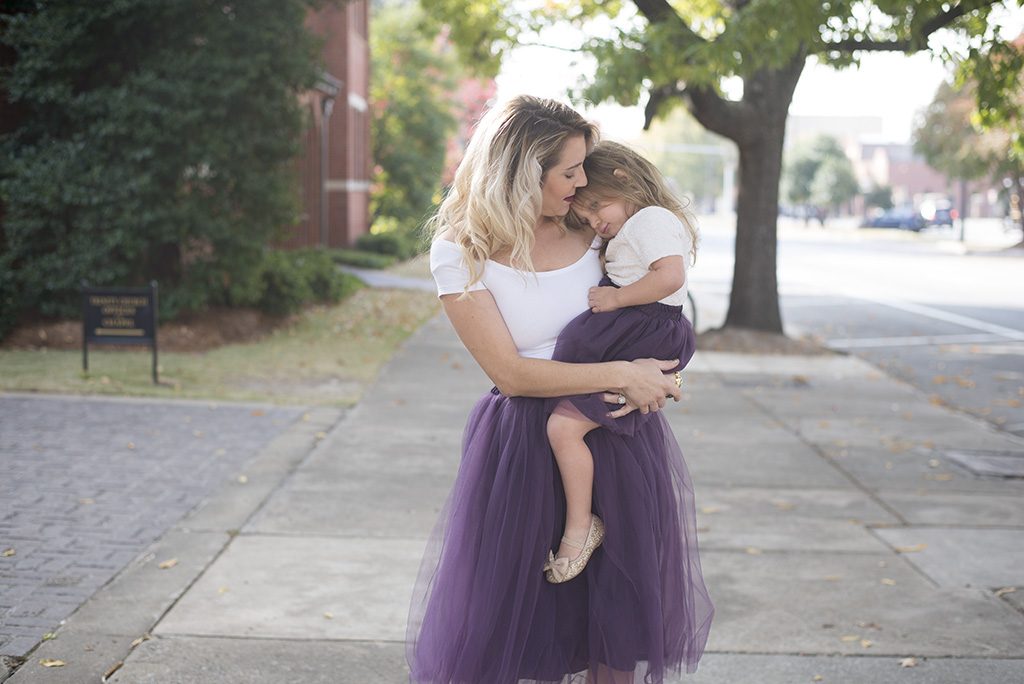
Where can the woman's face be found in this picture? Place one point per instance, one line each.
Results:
(564, 177)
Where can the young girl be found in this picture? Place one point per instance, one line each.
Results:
(636, 312)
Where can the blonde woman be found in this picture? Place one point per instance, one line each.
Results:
(511, 275)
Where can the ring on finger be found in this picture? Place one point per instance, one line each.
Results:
(622, 399)
(678, 378)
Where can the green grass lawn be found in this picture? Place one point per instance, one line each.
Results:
(327, 356)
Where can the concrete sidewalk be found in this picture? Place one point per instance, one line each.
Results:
(842, 538)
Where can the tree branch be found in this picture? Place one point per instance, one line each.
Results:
(660, 11)
(914, 42)
(714, 112)
(550, 47)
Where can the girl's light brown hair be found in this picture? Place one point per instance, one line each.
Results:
(616, 173)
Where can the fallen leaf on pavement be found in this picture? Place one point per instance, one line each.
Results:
(866, 643)
(911, 549)
(8, 552)
(1005, 590)
(51, 662)
(168, 564)
(908, 662)
(710, 509)
(850, 637)
(888, 582)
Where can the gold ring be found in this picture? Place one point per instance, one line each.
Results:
(679, 379)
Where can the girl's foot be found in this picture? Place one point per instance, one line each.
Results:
(564, 568)
(573, 541)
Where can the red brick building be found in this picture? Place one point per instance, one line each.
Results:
(335, 161)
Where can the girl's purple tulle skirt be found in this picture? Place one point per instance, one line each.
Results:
(482, 611)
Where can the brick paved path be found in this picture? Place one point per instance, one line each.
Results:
(86, 484)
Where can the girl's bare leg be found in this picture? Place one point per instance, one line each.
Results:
(576, 466)
(606, 675)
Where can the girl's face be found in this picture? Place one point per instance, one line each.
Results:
(564, 177)
(606, 217)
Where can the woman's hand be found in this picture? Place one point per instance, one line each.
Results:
(648, 387)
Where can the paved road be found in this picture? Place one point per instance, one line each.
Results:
(916, 305)
(87, 483)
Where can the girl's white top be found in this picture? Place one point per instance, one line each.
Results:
(645, 237)
(535, 306)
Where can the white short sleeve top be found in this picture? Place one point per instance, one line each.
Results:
(535, 306)
(648, 235)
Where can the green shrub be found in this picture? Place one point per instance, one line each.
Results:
(150, 141)
(353, 257)
(391, 236)
(327, 283)
(285, 288)
(288, 280)
(392, 244)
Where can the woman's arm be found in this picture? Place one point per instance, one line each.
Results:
(479, 325)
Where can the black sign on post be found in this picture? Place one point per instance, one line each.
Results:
(119, 315)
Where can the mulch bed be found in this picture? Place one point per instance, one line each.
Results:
(191, 333)
(746, 341)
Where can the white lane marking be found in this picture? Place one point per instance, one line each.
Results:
(939, 315)
(911, 341)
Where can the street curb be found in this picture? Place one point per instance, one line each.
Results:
(103, 631)
(131, 399)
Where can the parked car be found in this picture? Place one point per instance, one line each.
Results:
(938, 211)
(900, 217)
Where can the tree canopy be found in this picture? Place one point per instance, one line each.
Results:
(666, 53)
(414, 77)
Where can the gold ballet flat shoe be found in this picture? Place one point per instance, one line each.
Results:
(563, 569)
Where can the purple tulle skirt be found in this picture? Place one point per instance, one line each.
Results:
(482, 611)
(653, 330)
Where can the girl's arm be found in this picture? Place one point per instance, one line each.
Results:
(665, 277)
(479, 325)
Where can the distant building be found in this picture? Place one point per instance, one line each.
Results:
(334, 164)
(896, 165)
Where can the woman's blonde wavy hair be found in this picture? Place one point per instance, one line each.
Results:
(616, 173)
(495, 199)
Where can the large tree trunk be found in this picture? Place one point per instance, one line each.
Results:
(757, 124)
(754, 300)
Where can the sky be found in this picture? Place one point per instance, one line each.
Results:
(892, 86)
